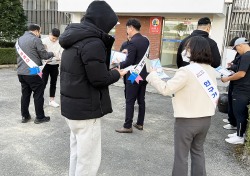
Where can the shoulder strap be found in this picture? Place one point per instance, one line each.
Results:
(34, 68)
(205, 81)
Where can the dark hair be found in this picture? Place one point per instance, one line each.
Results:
(55, 32)
(204, 21)
(231, 43)
(199, 49)
(34, 27)
(135, 23)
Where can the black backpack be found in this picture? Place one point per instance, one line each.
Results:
(223, 103)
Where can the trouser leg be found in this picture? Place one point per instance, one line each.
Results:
(45, 77)
(198, 167)
(182, 142)
(86, 147)
(25, 98)
(240, 102)
(53, 79)
(141, 103)
(231, 117)
(189, 135)
(131, 95)
(37, 86)
(73, 154)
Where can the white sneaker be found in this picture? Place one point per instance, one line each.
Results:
(234, 134)
(53, 104)
(225, 120)
(235, 140)
(229, 127)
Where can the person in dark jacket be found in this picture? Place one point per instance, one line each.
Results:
(31, 44)
(84, 79)
(137, 48)
(233, 66)
(240, 92)
(203, 29)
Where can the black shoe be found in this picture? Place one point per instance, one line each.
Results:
(25, 119)
(45, 119)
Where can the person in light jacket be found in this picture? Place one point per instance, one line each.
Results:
(192, 108)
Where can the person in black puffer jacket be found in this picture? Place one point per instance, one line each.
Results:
(203, 29)
(84, 79)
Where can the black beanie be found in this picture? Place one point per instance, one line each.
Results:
(102, 15)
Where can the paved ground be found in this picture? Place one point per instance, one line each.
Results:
(43, 150)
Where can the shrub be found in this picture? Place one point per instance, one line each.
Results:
(8, 56)
(5, 44)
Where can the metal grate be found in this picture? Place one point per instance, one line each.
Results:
(239, 25)
(45, 13)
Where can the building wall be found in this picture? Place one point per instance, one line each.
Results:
(150, 7)
(121, 35)
(214, 9)
(218, 31)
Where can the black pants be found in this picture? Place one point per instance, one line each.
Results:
(52, 71)
(32, 84)
(135, 92)
(231, 117)
(240, 110)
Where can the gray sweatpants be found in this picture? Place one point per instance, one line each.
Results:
(190, 135)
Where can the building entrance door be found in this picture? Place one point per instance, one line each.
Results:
(175, 30)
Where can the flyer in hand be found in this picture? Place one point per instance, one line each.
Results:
(156, 65)
(223, 71)
(116, 57)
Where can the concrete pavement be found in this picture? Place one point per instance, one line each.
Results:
(43, 149)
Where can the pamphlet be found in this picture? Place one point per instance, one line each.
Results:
(117, 57)
(156, 65)
(223, 71)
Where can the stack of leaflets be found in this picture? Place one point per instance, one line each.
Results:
(116, 57)
(155, 64)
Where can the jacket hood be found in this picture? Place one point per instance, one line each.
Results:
(78, 31)
(200, 33)
(101, 15)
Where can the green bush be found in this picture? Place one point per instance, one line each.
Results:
(5, 44)
(7, 56)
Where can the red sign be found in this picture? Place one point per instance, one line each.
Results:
(155, 25)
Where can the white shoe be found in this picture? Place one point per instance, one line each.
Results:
(234, 134)
(235, 140)
(54, 104)
(229, 127)
(225, 120)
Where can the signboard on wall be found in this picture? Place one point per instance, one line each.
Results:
(155, 25)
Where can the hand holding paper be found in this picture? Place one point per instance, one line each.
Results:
(155, 65)
(223, 71)
(117, 57)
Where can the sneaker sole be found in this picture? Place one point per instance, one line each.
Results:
(230, 128)
(235, 142)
